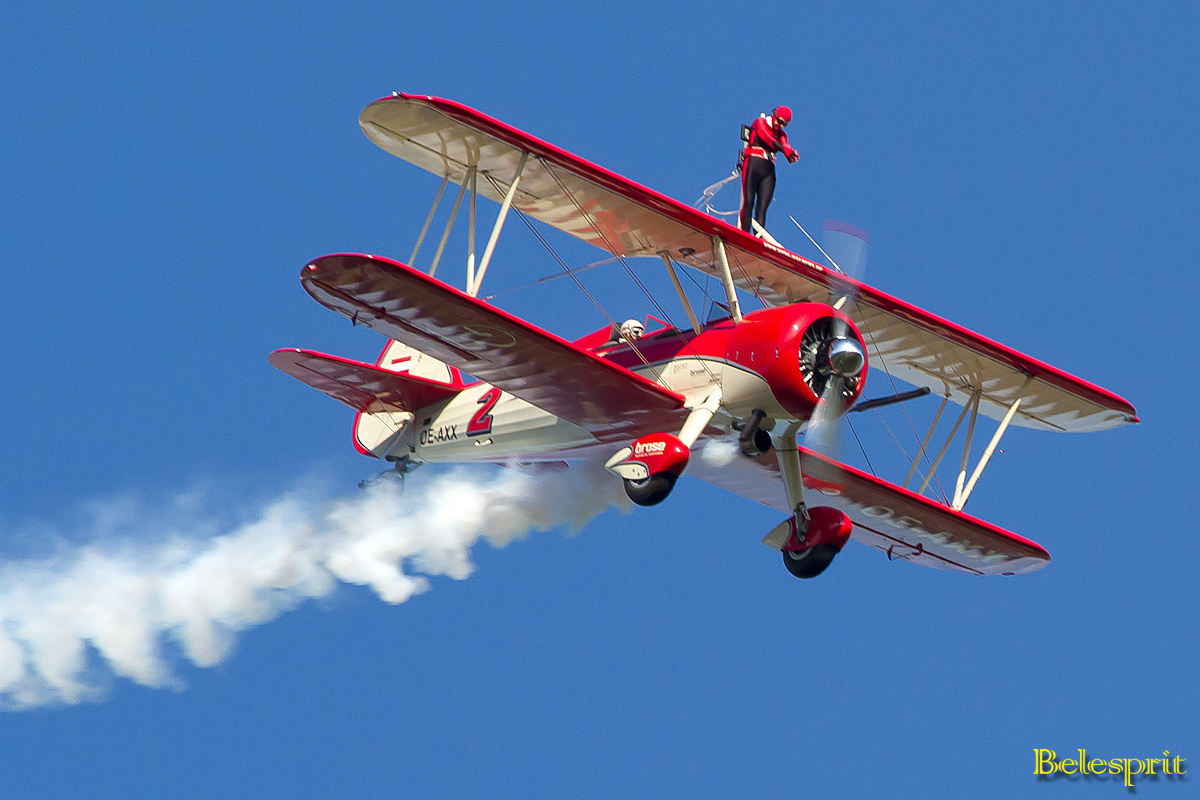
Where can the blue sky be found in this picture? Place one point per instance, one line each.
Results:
(1030, 172)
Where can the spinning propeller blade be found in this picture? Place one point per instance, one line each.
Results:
(846, 246)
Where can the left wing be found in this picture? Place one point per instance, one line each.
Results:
(896, 521)
(628, 219)
(605, 399)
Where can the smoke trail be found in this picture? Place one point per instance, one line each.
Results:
(123, 600)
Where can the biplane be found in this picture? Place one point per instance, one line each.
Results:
(461, 380)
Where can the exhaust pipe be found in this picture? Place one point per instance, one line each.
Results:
(753, 441)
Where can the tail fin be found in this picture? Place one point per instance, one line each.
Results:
(401, 358)
(379, 433)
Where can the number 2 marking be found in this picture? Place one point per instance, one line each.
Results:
(481, 423)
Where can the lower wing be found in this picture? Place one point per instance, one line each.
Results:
(898, 522)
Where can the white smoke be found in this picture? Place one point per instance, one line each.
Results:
(124, 600)
(718, 453)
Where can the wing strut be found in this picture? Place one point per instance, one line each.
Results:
(412, 259)
(473, 177)
(962, 470)
(446, 233)
(946, 446)
(727, 279)
(687, 306)
(473, 288)
(960, 499)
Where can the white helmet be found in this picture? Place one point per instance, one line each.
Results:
(631, 330)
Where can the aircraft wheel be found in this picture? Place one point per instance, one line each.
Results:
(650, 491)
(810, 562)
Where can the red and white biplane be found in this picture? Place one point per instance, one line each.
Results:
(755, 379)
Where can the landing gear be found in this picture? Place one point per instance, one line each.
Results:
(810, 562)
(400, 467)
(810, 539)
(650, 491)
(651, 465)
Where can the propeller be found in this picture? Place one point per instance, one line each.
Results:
(831, 351)
(846, 246)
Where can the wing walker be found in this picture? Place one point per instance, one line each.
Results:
(460, 380)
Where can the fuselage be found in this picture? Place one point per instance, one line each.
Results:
(758, 364)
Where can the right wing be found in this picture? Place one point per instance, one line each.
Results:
(605, 399)
(902, 524)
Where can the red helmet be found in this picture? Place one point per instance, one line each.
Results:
(783, 114)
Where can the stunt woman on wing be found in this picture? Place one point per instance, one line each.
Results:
(758, 164)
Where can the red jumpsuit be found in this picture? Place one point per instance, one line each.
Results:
(758, 169)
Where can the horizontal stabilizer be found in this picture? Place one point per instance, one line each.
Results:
(360, 386)
(538, 367)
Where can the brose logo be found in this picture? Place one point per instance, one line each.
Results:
(642, 449)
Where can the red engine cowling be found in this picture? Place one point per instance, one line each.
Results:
(791, 346)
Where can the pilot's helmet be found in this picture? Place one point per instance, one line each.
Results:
(631, 330)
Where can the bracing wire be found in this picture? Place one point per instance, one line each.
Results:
(687, 272)
(911, 425)
(621, 259)
(578, 282)
(611, 247)
(895, 439)
(862, 449)
(553, 277)
(566, 269)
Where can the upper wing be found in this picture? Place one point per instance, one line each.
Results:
(628, 219)
(551, 373)
(900, 523)
(361, 386)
